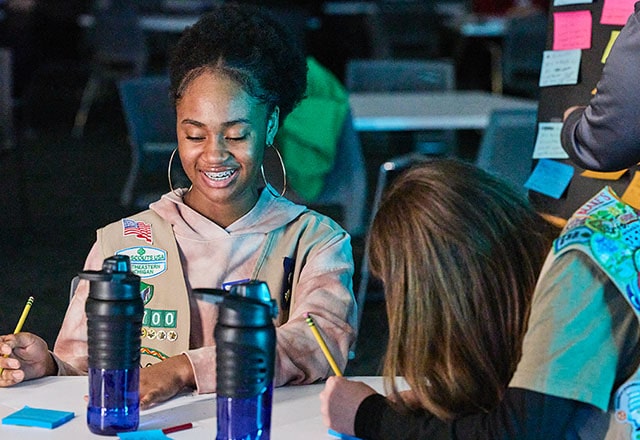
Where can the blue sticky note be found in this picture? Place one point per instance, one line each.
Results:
(550, 177)
(148, 434)
(39, 417)
(342, 436)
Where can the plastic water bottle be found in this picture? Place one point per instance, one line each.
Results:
(245, 358)
(114, 318)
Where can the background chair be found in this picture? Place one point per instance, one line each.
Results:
(7, 129)
(506, 150)
(322, 152)
(11, 162)
(399, 75)
(522, 49)
(411, 28)
(406, 75)
(151, 125)
(119, 50)
(368, 286)
(506, 146)
(344, 193)
(346, 183)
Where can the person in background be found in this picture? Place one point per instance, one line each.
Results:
(235, 76)
(605, 134)
(487, 351)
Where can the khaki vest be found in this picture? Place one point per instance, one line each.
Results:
(150, 243)
(608, 231)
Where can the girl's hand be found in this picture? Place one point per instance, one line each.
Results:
(339, 402)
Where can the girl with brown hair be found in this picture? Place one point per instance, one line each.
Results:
(489, 348)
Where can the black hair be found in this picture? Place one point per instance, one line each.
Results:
(249, 44)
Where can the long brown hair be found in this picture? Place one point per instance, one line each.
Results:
(458, 252)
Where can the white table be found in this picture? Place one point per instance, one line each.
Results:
(413, 111)
(296, 411)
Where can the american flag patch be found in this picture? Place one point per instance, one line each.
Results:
(139, 230)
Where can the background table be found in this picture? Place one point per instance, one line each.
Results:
(296, 411)
(413, 111)
(168, 23)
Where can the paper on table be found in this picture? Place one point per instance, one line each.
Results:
(184, 408)
(38, 417)
(152, 434)
(61, 393)
(342, 436)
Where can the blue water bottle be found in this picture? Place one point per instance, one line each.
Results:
(114, 311)
(245, 359)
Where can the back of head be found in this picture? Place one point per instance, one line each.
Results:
(251, 46)
(459, 253)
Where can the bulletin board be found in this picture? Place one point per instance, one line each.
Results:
(578, 38)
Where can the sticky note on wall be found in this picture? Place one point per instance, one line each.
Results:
(632, 193)
(612, 175)
(616, 12)
(560, 67)
(572, 30)
(612, 39)
(548, 144)
(550, 178)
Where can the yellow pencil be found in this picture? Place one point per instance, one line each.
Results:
(22, 319)
(323, 346)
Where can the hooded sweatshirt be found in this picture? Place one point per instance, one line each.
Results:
(304, 257)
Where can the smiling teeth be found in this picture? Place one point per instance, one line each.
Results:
(219, 176)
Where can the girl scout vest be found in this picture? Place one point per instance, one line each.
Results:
(608, 231)
(149, 242)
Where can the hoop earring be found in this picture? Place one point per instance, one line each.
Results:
(284, 175)
(173, 153)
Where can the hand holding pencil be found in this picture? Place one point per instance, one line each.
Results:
(23, 318)
(31, 355)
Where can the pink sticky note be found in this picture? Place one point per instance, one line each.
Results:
(616, 12)
(572, 30)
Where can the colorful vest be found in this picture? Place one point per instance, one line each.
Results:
(608, 231)
(150, 243)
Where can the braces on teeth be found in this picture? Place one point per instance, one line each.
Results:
(219, 176)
